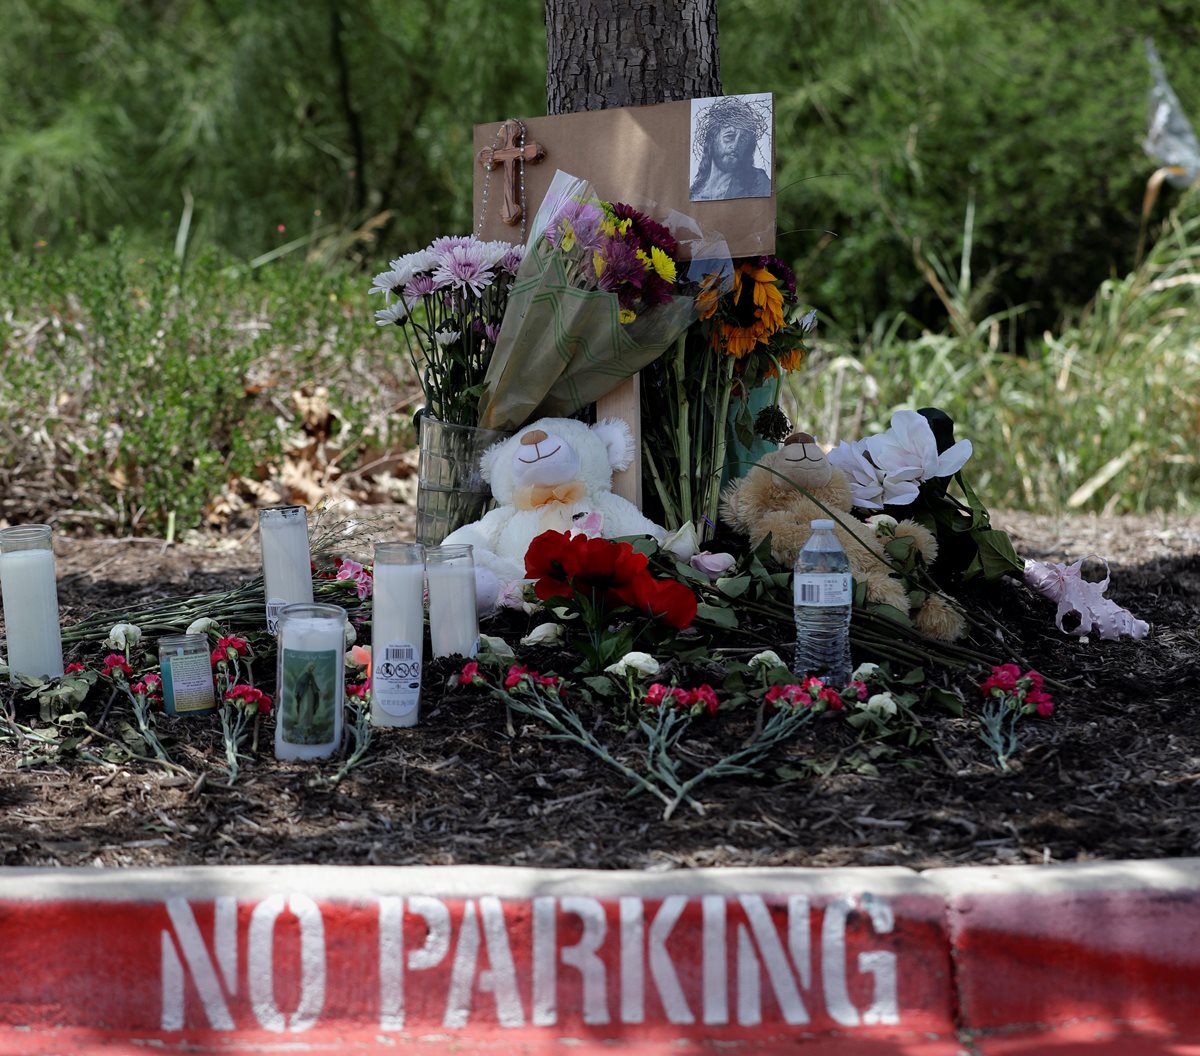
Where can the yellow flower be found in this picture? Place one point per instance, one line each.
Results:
(608, 227)
(644, 257)
(627, 315)
(597, 263)
(738, 341)
(566, 239)
(663, 264)
(625, 225)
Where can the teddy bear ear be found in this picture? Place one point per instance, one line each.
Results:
(487, 461)
(618, 441)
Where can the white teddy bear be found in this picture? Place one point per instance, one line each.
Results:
(546, 477)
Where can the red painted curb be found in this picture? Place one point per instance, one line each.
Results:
(972, 962)
(859, 971)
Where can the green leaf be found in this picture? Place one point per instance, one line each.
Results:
(996, 555)
(914, 678)
(947, 699)
(733, 586)
(716, 614)
(892, 613)
(601, 685)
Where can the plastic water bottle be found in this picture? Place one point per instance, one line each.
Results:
(822, 597)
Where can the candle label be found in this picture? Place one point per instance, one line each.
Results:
(309, 695)
(188, 684)
(396, 679)
(274, 608)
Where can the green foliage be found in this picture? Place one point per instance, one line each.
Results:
(893, 114)
(1103, 417)
(139, 391)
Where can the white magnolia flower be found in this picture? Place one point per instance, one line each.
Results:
(635, 663)
(871, 487)
(204, 625)
(544, 634)
(768, 658)
(910, 445)
(882, 704)
(681, 543)
(495, 645)
(864, 672)
(123, 636)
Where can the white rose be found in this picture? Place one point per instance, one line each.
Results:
(884, 525)
(768, 658)
(882, 704)
(123, 636)
(204, 625)
(544, 634)
(681, 543)
(864, 672)
(635, 663)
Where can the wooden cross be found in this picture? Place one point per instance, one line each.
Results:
(512, 149)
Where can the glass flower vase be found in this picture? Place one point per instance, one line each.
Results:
(451, 490)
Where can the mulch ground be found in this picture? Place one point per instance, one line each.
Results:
(1114, 774)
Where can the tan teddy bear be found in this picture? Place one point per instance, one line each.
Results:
(765, 502)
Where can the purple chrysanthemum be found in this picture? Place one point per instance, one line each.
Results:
(648, 232)
(463, 267)
(623, 269)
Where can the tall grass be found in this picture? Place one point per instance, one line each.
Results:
(1103, 416)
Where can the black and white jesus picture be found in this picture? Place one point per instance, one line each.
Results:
(731, 147)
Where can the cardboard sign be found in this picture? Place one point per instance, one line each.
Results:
(642, 155)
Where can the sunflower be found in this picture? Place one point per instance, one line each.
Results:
(756, 313)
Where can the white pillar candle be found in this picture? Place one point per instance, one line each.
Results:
(310, 683)
(30, 595)
(397, 633)
(287, 563)
(453, 620)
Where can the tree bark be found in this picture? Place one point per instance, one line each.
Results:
(602, 53)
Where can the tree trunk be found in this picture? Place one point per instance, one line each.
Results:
(602, 53)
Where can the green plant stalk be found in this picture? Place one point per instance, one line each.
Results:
(360, 733)
(569, 727)
(683, 433)
(716, 467)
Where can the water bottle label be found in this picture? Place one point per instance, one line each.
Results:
(826, 588)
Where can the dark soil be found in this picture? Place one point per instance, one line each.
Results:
(1114, 774)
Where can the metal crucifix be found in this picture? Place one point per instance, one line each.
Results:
(512, 150)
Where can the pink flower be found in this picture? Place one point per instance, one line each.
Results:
(705, 695)
(657, 695)
(712, 565)
(469, 675)
(229, 648)
(1003, 678)
(249, 699)
(831, 697)
(352, 570)
(73, 669)
(360, 656)
(514, 676)
(358, 689)
(790, 695)
(1041, 701)
(812, 684)
(860, 689)
(115, 663)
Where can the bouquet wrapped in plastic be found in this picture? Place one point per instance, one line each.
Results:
(602, 292)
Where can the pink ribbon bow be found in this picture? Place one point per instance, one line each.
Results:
(1064, 585)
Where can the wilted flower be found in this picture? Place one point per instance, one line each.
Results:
(881, 704)
(864, 672)
(545, 634)
(492, 644)
(768, 659)
(635, 663)
(712, 565)
(123, 636)
(682, 543)
(204, 625)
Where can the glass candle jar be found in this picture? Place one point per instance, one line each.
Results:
(397, 633)
(310, 681)
(453, 619)
(184, 660)
(287, 564)
(30, 595)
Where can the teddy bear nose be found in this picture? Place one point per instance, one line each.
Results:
(532, 438)
(799, 438)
